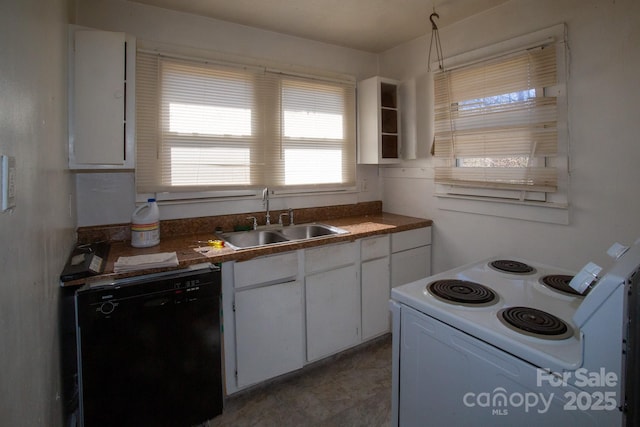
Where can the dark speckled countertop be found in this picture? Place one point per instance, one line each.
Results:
(186, 245)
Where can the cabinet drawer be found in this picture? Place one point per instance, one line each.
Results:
(410, 239)
(374, 247)
(329, 256)
(266, 269)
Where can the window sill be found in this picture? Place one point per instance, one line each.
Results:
(215, 203)
(553, 213)
(213, 196)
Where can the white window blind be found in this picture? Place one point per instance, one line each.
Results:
(315, 128)
(496, 123)
(214, 127)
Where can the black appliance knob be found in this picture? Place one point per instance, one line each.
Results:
(107, 307)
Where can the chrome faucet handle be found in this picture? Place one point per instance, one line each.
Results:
(290, 216)
(255, 222)
(280, 218)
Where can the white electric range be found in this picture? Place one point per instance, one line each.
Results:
(510, 341)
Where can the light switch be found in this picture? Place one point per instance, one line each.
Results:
(8, 177)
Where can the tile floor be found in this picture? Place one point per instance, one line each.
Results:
(351, 389)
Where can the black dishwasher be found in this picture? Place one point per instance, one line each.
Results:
(149, 351)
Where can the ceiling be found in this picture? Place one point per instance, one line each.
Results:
(369, 25)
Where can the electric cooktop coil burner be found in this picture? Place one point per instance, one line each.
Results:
(559, 282)
(462, 292)
(536, 323)
(510, 266)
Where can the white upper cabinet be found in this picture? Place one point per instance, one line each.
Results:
(101, 99)
(378, 121)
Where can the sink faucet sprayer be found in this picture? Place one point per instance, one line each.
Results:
(289, 213)
(255, 222)
(265, 202)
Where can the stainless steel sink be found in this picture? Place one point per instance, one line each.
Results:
(257, 238)
(310, 231)
(251, 239)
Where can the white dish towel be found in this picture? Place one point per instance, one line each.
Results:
(143, 262)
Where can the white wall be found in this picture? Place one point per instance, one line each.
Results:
(108, 198)
(37, 237)
(604, 58)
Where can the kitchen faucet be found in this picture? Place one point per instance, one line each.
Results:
(265, 202)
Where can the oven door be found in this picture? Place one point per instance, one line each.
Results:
(442, 376)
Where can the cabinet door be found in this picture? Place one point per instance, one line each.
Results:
(375, 297)
(269, 332)
(99, 97)
(333, 311)
(410, 265)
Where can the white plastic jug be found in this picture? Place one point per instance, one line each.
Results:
(145, 225)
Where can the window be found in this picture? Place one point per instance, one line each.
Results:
(203, 126)
(314, 130)
(498, 125)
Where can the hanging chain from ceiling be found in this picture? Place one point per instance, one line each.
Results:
(435, 39)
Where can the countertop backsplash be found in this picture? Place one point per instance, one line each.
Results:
(187, 226)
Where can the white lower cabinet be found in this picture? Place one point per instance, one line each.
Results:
(264, 319)
(410, 256)
(374, 279)
(286, 310)
(333, 311)
(269, 332)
